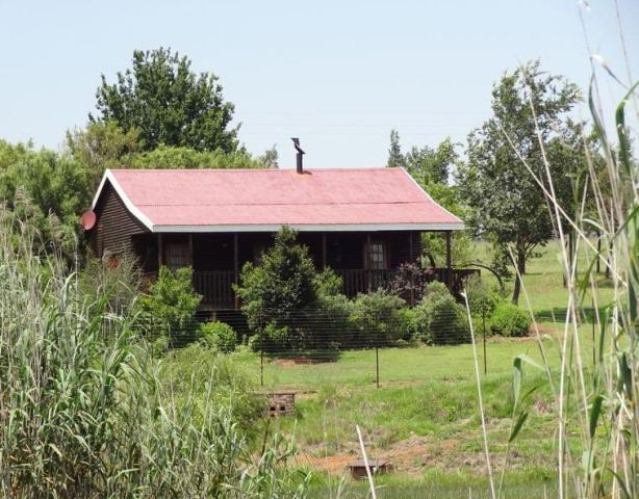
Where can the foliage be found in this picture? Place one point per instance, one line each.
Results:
(87, 411)
(102, 145)
(509, 320)
(410, 281)
(118, 287)
(482, 298)
(442, 320)
(170, 305)
(219, 335)
(41, 184)
(508, 206)
(185, 157)
(377, 318)
(280, 287)
(395, 156)
(168, 103)
(430, 166)
(432, 169)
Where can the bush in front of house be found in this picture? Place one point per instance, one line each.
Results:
(441, 320)
(509, 320)
(377, 319)
(482, 298)
(277, 291)
(169, 307)
(218, 335)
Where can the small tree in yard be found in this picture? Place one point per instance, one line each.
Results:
(170, 305)
(509, 208)
(377, 318)
(277, 290)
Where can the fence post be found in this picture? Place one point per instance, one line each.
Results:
(261, 354)
(377, 364)
(483, 320)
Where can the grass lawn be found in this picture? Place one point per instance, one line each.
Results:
(424, 419)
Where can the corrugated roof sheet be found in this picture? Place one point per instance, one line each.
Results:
(319, 199)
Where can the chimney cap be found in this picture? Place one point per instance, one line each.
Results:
(296, 143)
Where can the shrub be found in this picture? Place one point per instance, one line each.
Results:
(170, 305)
(482, 298)
(219, 335)
(441, 319)
(280, 286)
(331, 327)
(377, 318)
(509, 320)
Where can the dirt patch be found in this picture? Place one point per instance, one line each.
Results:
(412, 456)
(301, 360)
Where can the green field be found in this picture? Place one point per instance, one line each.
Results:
(424, 418)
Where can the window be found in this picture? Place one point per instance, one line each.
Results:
(376, 256)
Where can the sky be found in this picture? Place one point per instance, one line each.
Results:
(338, 74)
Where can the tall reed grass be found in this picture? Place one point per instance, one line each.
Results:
(596, 391)
(85, 412)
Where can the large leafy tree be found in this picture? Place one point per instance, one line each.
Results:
(509, 208)
(168, 103)
(48, 189)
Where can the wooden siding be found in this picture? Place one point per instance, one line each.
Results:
(115, 225)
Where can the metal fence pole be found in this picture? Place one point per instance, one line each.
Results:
(261, 356)
(483, 319)
(377, 364)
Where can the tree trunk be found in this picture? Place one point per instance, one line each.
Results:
(520, 265)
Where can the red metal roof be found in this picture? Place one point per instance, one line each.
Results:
(243, 200)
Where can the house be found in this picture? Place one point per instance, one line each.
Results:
(363, 223)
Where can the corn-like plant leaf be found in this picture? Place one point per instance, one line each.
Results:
(625, 376)
(624, 141)
(517, 376)
(599, 127)
(517, 426)
(595, 412)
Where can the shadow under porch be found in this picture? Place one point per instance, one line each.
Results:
(366, 261)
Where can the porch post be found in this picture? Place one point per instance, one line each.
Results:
(236, 266)
(160, 252)
(191, 250)
(367, 263)
(323, 250)
(449, 263)
(410, 247)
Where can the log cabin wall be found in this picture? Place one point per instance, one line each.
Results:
(115, 225)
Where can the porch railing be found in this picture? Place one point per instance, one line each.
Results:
(362, 280)
(216, 288)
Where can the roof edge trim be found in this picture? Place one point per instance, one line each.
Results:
(434, 227)
(428, 195)
(133, 209)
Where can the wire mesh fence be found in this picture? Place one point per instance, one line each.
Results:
(312, 339)
(286, 345)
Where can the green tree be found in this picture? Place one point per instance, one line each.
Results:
(508, 207)
(278, 288)
(169, 307)
(432, 166)
(168, 103)
(48, 189)
(395, 156)
(102, 145)
(432, 169)
(186, 157)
